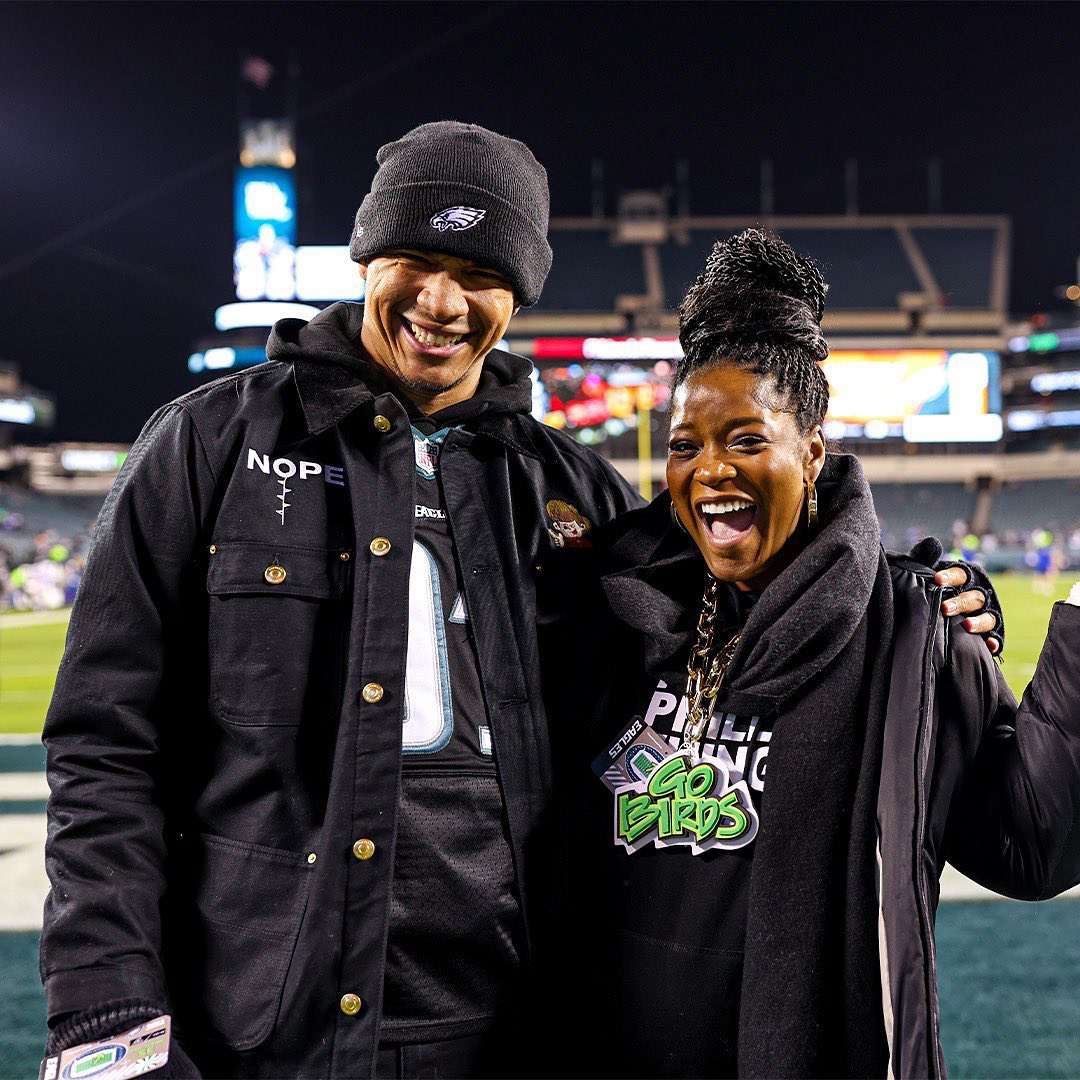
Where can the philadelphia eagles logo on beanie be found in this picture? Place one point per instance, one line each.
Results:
(416, 196)
(457, 218)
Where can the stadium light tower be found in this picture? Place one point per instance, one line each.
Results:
(271, 273)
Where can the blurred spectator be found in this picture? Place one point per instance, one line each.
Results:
(43, 546)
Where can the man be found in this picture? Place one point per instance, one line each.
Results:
(299, 757)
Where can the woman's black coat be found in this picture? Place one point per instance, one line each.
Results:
(966, 775)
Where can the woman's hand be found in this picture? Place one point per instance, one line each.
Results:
(972, 602)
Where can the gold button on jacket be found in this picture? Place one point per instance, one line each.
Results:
(379, 546)
(350, 1004)
(372, 692)
(382, 424)
(274, 574)
(364, 848)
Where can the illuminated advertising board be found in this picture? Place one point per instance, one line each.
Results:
(600, 400)
(920, 395)
(265, 219)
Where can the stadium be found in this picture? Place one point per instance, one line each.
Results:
(964, 413)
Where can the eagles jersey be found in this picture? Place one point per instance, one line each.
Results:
(445, 720)
(455, 922)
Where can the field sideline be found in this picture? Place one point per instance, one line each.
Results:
(31, 645)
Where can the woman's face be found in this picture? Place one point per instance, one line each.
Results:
(737, 469)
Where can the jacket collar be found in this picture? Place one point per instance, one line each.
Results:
(334, 378)
(330, 392)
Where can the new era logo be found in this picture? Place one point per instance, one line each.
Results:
(457, 218)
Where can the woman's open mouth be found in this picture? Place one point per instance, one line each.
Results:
(429, 342)
(727, 520)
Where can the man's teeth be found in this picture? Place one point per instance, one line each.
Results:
(426, 337)
(729, 506)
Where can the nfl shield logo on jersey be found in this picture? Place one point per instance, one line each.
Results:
(457, 218)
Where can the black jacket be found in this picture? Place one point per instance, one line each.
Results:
(966, 775)
(227, 717)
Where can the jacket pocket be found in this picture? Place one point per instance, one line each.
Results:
(276, 631)
(247, 908)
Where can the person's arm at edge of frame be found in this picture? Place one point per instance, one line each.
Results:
(976, 599)
(106, 847)
(1012, 823)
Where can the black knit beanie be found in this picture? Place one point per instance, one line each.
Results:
(463, 190)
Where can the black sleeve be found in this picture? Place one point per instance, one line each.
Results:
(1013, 823)
(114, 1018)
(105, 851)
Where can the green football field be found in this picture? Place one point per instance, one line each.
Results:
(30, 648)
(1009, 971)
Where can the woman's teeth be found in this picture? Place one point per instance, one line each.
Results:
(727, 519)
(726, 507)
(426, 337)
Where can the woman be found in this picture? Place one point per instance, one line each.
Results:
(793, 739)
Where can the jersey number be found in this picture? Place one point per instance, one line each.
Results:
(428, 720)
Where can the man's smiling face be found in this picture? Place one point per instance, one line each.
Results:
(430, 319)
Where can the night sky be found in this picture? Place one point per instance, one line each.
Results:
(125, 115)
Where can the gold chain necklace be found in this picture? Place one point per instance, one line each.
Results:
(706, 671)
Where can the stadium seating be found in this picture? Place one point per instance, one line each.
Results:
(67, 516)
(867, 268)
(909, 512)
(960, 260)
(589, 272)
(1037, 504)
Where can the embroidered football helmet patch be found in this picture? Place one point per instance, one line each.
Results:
(457, 218)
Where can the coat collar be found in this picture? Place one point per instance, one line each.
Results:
(334, 378)
(653, 577)
(330, 393)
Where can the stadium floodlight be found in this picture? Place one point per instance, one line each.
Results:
(1033, 419)
(945, 427)
(17, 411)
(260, 313)
(97, 461)
(1046, 382)
(219, 358)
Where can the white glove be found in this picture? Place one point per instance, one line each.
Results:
(1074, 595)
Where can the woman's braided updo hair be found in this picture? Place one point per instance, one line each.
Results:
(758, 304)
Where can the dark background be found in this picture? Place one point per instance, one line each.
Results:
(118, 134)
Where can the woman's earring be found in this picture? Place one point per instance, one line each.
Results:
(811, 504)
(676, 520)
